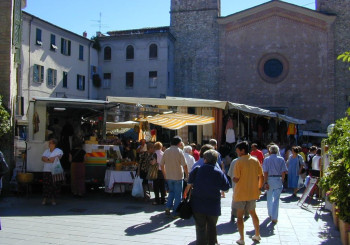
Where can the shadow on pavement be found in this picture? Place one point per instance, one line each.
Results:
(157, 223)
(226, 228)
(329, 231)
(266, 229)
(94, 203)
(289, 199)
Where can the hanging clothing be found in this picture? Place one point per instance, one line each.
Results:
(292, 129)
(230, 136)
(36, 122)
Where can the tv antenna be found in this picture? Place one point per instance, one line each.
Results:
(99, 23)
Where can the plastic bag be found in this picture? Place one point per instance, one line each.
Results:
(137, 189)
(56, 167)
(57, 171)
(307, 180)
(300, 182)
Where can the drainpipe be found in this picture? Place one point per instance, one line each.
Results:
(29, 61)
(89, 69)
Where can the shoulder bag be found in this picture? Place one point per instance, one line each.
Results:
(185, 209)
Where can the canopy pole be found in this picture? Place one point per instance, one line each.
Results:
(104, 123)
(248, 127)
(239, 131)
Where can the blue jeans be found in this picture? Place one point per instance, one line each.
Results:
(175, 193)
(273, 196)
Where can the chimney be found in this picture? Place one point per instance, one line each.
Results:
(85, 34)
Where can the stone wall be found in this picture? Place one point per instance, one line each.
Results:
(5, 49)
(305, 42)
(194, 26)
(341, 44)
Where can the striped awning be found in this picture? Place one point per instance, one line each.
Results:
(179, 120)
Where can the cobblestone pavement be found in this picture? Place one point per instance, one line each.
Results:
(101, 218)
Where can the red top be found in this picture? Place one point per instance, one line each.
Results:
(258, 154)
(195, 154)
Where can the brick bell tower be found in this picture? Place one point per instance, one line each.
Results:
(194, 25)
(341, 9)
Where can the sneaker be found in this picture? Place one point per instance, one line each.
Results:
(167, 211)
(256, 238)
(240, 242)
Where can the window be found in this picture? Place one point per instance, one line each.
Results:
(107, 80)
(129, 52)
(51, 77)
(80, 82)
(129, 80)
(81, 52)
(107, 53)
(38, 40)
(65, 46)
(153, 51)
(273, 68)
(53, 46)
(65, 80)
(38, 74)
(152, 79)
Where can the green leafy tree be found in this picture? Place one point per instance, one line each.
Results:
(5, 125)
(345, 57)
(336, 180)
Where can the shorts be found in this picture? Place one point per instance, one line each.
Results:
(245, 205)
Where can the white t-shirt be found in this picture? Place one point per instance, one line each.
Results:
(55, 153)
(189, 160)
(316, 163)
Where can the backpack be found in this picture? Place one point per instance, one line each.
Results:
(309, 161)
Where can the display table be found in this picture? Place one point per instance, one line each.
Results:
(115, 181)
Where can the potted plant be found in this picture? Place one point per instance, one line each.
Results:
(336, 180)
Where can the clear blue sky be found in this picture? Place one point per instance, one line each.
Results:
(84, 15)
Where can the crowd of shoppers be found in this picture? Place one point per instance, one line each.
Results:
(250, 171)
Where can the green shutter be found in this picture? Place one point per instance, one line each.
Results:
(42, 74)
(78, 82)
(36, 73)
(68, 47)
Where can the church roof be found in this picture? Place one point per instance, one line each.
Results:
(278, 8)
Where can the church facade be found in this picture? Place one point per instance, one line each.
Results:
(277, 56)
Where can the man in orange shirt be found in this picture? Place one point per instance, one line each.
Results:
(249, 178)
(257, 153)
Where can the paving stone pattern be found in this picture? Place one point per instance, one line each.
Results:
(101, 218)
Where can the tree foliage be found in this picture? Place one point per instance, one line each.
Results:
(5, 124)
(336, 180)
(345, 57)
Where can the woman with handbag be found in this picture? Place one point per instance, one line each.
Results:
(207, 182)
(143, 168)
(295, 164)
(50, 188)
(158, 182)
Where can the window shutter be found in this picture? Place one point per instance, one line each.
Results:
(49, 77)
(83, 82)
(62, 44)
(78, 82)
(68, 47)
(35, 73)
(42, 74)
(54, 77)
